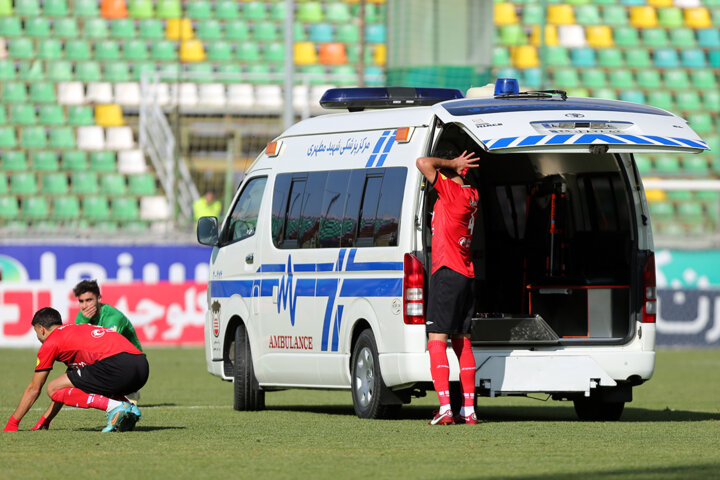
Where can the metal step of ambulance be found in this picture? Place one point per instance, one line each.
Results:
(494, 328)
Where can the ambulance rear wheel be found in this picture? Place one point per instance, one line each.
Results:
(367, 384)
(248, 395)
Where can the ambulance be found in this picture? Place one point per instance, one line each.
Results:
(319, 271)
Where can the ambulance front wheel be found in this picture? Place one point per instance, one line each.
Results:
(248, 395)
(368, 388)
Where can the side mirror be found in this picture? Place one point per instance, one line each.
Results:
(207, 231)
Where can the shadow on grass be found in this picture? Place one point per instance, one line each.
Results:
(516, 413)
(155, 405)
(144, 428)
(706, 470)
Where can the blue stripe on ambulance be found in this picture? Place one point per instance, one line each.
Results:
(289, 291)
(589, 139)
(387, 136)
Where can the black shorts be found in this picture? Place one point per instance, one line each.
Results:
(117, 375)
(451, 304)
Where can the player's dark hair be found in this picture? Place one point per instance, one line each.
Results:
(46, 317)
(87, 286)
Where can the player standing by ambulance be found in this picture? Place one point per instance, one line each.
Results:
(102, 364)
(451, 302)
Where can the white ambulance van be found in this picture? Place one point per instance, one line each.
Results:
(319, 272)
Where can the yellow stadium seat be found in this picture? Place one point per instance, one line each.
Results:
(655, 195)
(380, 54)
(192, 51)
(599, 36)
(179, 29)
(698, 17)
(551, 35)
(305, 53)
(505, 14)
(660, 3)
(560, 14)
(109, 115)
(643, 17)
(524, 56)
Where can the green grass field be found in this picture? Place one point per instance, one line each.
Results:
(189, 430)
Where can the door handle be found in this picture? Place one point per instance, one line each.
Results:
(249, 258)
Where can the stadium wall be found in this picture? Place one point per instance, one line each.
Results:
(162, 290)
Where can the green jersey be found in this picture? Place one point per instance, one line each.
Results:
(112, 318)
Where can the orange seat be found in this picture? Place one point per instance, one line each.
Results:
(113, 9)
(179, 29)
(505, 14)
(599, 36)
(524, 56)
(643, 17)
(560, 14)
(304, 53)
(333, 54)
(551, 35)
(697, 17)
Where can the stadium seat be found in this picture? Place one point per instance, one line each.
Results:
(122, 28)
(714, 58)
(638, 58)
(113, 183)
(113, 9)
(321, 33)
(309, 12)
(557, 56)
(226, 10)
(264, 31)
(139, 68)
(38, 27)
(151, 29)
(45, 161)
(119, 138)
(135, 50)
(80, 115)
(13, 161)
(168, 9)
(95, 208)
(209, 29)
(711, 99)
(84, 183)
(501, 57)
(131, 162)
(100, 92)
(655, 37)
(59, 70)
(55, 183)
(698, 17)
(74, 160)
(305, 53)
(201, 72)
(23, 183)
(258, 73)
(609, 57)
(593, 78)
(277, 11)
(337, 12)
(599, 36)
(505, 14)
(695, 165)
(566, 77)
(275, 52)
(107, 50)
(701, 122)
(670, 17)
(127, 94)
(31, 71)
(103, 161)
(141, 9)
(85, 8)
(90, 137)
(11, 27)
(6, 8)
(626, 36)
(198, 10)
(571, 36)
(42, 92)
(9, 208)
(660, 98)
(347, 33)
(560, 14)
(666, 58)
(125, 209)
(380, 54)
(3, 115)
(588, 15)
(615, 15)
(50, 49)
(109, 115)
(66, 208)
(643, 17)
(335, 54)
(179, 29)
(27, 8)
(88, 71)
(35, 208)
(621, 79)
(237, 30)
(667, 165)
(33, 137)
(676, 78)
(375, 33)
(65, 27)
(239, 95)
(154, 208)
(682, 38)
(192, 51)
(708, 37)
(229, 72)
(632, 95)
(61, 137)
(8, 139)
(693, 58)
(163, 50)
(7, 70)
(22, 114)
(14, 92)
(21, 48)
(71, 93)
(512, 35)
(583, 57)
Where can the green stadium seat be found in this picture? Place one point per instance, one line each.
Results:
(135, 226)
(256, 11)
(35, 208)
(50, 49)
(6, 8)
(690, 211)
(103, 162)
(62, 137)
(151, 29)
(45, 161)
(42, 92)
(21, 48)
(532, 14)
(701, 122)
(198, 10)
(587, 15)
(9, 208)
(609, 57)
(23, 183)
(14, 92)
(501, 57)
(638, 57)
(13, 160)
(8, 139)
(27, 8)
(679, 195)
(65, 27)
(66, 208)
(38, 27)
(95, 28)
(344, 75)
(107, 50)
(22, 114)
(688, 100)
(163, 50)
(676, 78)
(231, 71)
(593, 78)
(135, 50)
(138, 68)
(660, 98)
(55, 8)
(693, 58)
(682, 38)
(557, 56)
(248, 52)
(51, 115)
(168, 9)
(667, 165)
(32, 70)
(644, 164)
(170, 71)
(264, 31)
(615, 15)
(3, 115)
(337, 12)
(79, 115)
(88, 71)
(11, 27)
(695, 165)
(566, 77)
(648, 78)
(670, 17)
(708, 37)
(655, 37)
(84, 183)
(55, 183)
(141, 9)
(347, 33)
(3, 186)
(703, 79)
(113, 183)
(626, 36)
(209, 30)
(512, 35)
(7, 70)
(227, 10)
(200, 72)
(125, 209)
(299, 33)
(219, 51)
(142, 184)
(711, 98)
(77, 49)
(122, 28)
(74, 160)
(95, 208)
(237, 30)
(274, 52)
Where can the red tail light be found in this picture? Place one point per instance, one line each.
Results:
(649, 312)
(413, 291)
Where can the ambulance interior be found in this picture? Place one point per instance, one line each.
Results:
(553, 239)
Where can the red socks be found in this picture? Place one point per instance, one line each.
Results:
(75, 397)
(463, 350)
(440, 370)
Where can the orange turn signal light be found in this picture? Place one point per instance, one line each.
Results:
(404, 134)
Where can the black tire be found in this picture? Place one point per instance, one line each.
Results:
(593, 409)
(367, 385)
(248, 395)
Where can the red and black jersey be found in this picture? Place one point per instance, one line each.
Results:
(452, 226)
(80, 345)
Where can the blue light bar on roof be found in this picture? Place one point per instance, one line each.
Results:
(356, 99)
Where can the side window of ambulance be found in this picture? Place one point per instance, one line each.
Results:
(243, 219)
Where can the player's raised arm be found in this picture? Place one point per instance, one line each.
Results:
(429, 166)
(29, 396)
